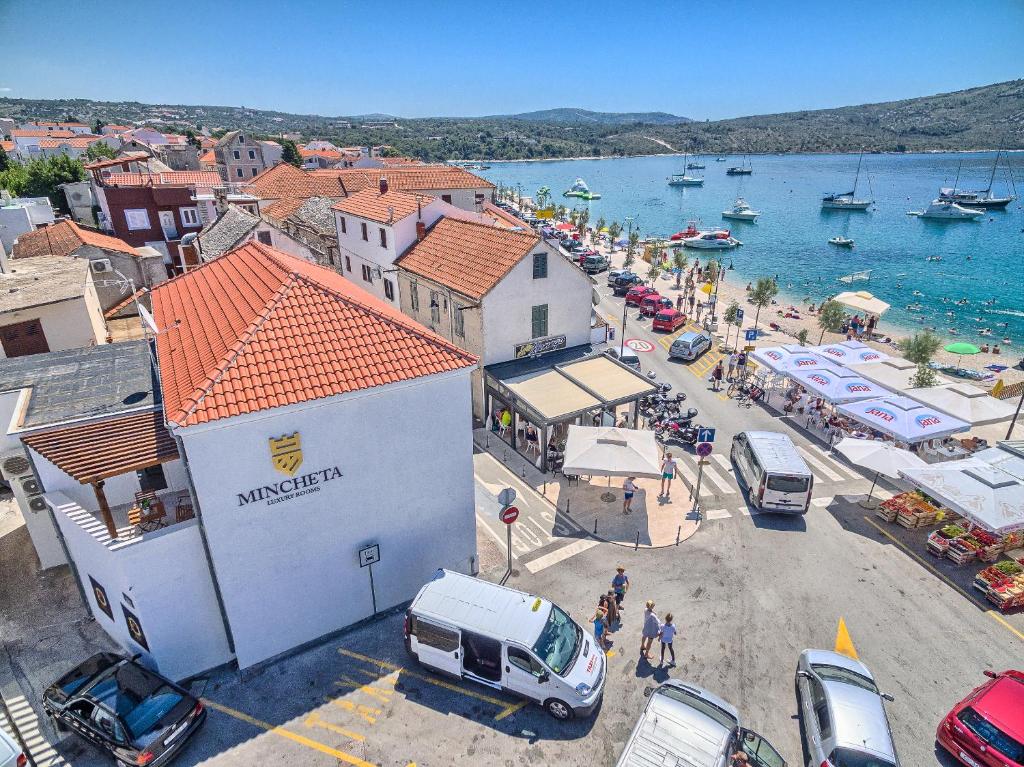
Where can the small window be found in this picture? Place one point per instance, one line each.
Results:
(263, 237)
(414, 297)
(389, 290)
(479, 198)
(137, 218)
(447, 198)
(189, 216)
(383, 237)
(435, 306)
(365, 231)
(367, 273)
(255, 171)
(540, 321)
(343, 224)
(435, 636)
(239, 172)
(459, 323)
(540, 266)
(237, 154)
(348, 264)
(252, 154)
(241, 139)
(525, 661)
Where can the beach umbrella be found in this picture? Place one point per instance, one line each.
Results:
(879, 457)
(961, 348)
(863, 301)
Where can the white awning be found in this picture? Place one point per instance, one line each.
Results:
(787, 358)
(838, 386)
(605, 451)
(862, 301)
(848, 353)
(904, 419)
(894, 374)
(969, 403)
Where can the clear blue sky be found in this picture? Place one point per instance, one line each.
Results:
(710, 59)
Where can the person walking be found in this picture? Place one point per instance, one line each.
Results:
(668, 473)
(872, 321)
(601, 628)
(667, 634)
(628, 488)
(741, 364)
(716, 376)
(650, 630)
(679, 303)
(609, 603)
(691, 302)
(734, 360)
(620, 585)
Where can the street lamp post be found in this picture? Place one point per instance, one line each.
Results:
(1013, 423)
(622, 340)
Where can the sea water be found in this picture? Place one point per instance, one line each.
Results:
(980, 260)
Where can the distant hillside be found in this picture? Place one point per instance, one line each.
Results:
(568, 115)
(977, 118)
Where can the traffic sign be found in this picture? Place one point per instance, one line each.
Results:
(507, 496)
(739, 315)
(750, 335)
(705, 434)
(369, 555)
(639, 345)
(704, 449)
(508, 514)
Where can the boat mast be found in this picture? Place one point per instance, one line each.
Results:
(857, 177)
(992, 178)
(957, 179)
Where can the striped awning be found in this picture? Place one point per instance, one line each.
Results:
(94, 451)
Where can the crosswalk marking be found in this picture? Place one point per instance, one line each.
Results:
(722, 461)
(717, 480)
(827, 457)
(717, 514)
(819, 470)
(560, 554)
(823, 502)
(688, 472)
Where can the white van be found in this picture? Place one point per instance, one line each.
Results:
(774, 472)
(472, 629)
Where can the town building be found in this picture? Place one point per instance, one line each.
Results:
(19, 215)
(241, 157)
(225, 515)
(78, 128)
(7, 124)
(48, 303)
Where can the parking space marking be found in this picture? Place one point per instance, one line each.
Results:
(381, 695)
(559, 554)
(507, 708)
(314, 720)
(368, 714)
(288, 734)
(930, 568)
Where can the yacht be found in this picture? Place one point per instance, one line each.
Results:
(739, 170)
(842, 242)
(681, 179)
(847, 200)
(983, 199)
(695, 166)
(720, 239)
(944, 210)
(741, 211)
(719, 159)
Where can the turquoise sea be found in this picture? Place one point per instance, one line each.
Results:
(981, 261)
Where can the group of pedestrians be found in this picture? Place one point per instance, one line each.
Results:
(608, 617)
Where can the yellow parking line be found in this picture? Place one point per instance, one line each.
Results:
(928, 566)
(367, 713)
(373, 692)
(506, 707)
(314, 720)
(509, 710)
(288, 734)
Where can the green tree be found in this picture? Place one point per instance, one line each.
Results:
(679, 263)
(923, 377)
(5, 161)
(920, 347)
(97, 127)
(801, 337)
(761, 295)
(614, 230)
(190, 136)
(582, 220)
(654, 269)
(601, 224)
(831, 316)
(731, 317)
(99, 151)
(290, 153)
(44, 176)
(631, 246)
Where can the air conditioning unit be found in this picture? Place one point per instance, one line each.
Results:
(101, 265)
(30, 485)
(37, 504)
(15, 465)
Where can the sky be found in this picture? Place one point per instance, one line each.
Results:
(706, 60)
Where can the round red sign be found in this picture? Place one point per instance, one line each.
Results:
(509, 514)
(704, 449)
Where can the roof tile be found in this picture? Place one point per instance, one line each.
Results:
(63, 239)
(384, 208)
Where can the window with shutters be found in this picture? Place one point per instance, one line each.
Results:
(540, 321)
(389, 289)
(540, 266)
(367, 273)
(341, 221)
(435, 306)
(383, 237)
(414, 297)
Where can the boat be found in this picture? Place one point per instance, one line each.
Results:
(581, 190)
(983, 199)
(740, 170)
(719, 239)
(681, 179)
(719, 159)
(944, 210)
(842, 242)
(856, 276)
(690, 231)
(695, 166)
(741, 211)
(847, 200)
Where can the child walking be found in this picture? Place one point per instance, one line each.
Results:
(601, 629)
(667, 634)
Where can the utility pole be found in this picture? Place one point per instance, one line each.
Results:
(1015, 415)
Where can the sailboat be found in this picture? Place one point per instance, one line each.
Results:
(847, 200)
(681, 179)
(696, 165)
(740, 170)
(983, 198)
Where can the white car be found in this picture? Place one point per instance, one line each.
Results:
(10, 752)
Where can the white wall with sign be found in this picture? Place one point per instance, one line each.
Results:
(289, 569)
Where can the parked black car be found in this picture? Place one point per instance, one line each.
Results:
(626, 281)
(136, 715)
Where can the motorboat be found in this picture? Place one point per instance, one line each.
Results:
(842, 242)
(580, 189)
(737, 170)
(945, 210)
(982, 199)
(719, 159)
(681, 179)
(847, 200)
(690, 231)
(695, 166)
(719, 239)
(741, 211)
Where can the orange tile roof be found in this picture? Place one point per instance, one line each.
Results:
(284, 180)
(208, 158)
(117, 308)
(41, 134)
(469, 258)
(413, 178)
(63, 239)
(165, 178)
(258, 329)
(94, 451)
(281, 209)
(119, 160)
(503, 217)
(78, 142)
(383, 208)
(8, 146)
(117, 127)
(329, 154)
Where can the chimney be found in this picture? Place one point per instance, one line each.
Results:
(220, 197)
(383, 185)
(421, 230)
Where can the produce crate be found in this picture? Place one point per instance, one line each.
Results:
(889, 515)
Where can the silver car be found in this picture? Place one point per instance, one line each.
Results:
(689, 346)
(842, 711)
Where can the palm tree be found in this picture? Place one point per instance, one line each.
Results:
(761, 295)
(600, 224)
(679, 263)
(831, 316)
(582, 220)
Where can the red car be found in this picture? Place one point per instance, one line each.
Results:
(669, 320)
(637, 293)
(653, 303)
(986, 729)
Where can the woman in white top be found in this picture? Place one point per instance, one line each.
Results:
(668, 472)
(628, 488)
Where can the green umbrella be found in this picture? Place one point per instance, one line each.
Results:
(960, 348)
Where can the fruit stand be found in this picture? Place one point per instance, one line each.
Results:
(1002, 584)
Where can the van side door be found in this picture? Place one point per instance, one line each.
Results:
(436, 646)
(524, 674)
(760, 753)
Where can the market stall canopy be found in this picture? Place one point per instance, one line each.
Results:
(903, 419)
(787, 358)
(862, 301)
(987, 488)
(895, 374)
(564, 227)
(838, 386)
(974, 405)
(552, 395)
(849, 353)
(879, 457)
(610, 452)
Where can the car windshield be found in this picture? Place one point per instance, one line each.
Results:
(782, 483)
(844, 675)
(992, 735)
(846, 757)
(664, 315)
(141, 699)
(557, 643)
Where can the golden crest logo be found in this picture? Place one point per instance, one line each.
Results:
(286, 453)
